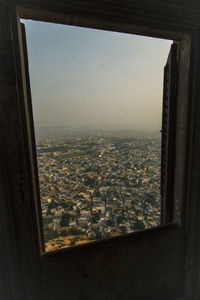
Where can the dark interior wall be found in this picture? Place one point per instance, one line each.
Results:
(157, 264)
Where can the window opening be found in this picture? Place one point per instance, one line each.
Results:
(97, 107)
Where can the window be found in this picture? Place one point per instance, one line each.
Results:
(163, 257)
(97, 101)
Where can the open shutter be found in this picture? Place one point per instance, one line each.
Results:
(168, 135)
(29, 136)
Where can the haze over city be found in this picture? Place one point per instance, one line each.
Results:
(92, 77)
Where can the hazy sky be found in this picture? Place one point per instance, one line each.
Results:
(92, 77)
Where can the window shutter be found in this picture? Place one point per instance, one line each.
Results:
(30, 138)
(168, 135)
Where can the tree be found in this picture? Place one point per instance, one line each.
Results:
(65, 220)
(53, 204)
(123, 229)
(110, 223)
(73, 242)
(95, 218)
(63, 204)
(138, 225)
(50, 234)
(74, 231)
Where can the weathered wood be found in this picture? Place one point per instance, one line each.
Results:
(113, 15)
(191, 203)
(25, 205)
(9, 262)
(9, 258)
(121, 9)
(157, 264)
(136, 266)
(30, 145)
(170, 88)
(139, 27)
(20, 256)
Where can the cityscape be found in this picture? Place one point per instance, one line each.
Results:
(96, 184)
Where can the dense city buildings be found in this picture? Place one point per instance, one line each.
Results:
(98, 184)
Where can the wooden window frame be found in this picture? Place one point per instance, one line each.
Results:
(183, 41)
(187, 34)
